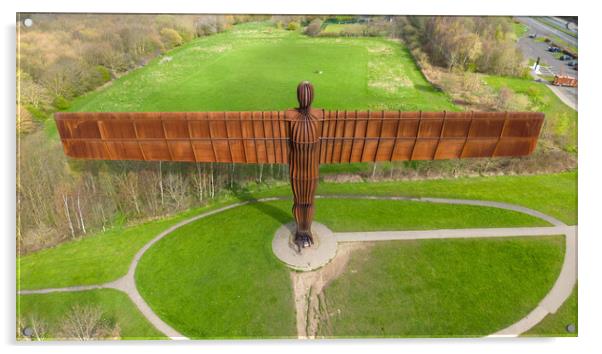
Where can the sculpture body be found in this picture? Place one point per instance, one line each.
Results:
(303, 137)
(304, 165)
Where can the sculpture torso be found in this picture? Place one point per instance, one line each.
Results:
(303, 167)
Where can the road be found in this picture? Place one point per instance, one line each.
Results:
(541, 29)
(533, 49)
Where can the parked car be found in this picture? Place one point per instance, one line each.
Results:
(553, 49)
(565, 57)
(572, 63)
(533, 35)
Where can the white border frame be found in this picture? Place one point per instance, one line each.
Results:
(590, 242)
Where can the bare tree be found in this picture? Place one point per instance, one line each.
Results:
(81, 217)
(87, 323)
(68, 215)
(175, 186)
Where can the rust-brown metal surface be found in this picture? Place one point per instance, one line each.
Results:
(264, 137)
(303, 138)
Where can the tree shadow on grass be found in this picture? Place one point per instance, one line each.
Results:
(275, 213)
(427, 88)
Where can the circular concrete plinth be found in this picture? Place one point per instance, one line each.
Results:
(320, 253)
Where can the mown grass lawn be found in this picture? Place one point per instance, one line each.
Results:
(212, 262)
(356, 28)
(255, 66)
(555, 325)
(441, 288)
(117, 309)
(106, 256)
(554, 194)
(218, 277)
(94, 259)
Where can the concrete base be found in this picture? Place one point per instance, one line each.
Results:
(310, 258)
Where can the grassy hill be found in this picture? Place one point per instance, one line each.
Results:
(255, 66)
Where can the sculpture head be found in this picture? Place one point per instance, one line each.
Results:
(305, 96)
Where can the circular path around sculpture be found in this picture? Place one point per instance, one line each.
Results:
(549, 304)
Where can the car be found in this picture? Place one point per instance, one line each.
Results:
(553, 49)
(565, 57)
(572, 63)
(533, 35)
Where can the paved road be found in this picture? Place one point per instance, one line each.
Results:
(533, 49)
(542, 29)
(549, 304)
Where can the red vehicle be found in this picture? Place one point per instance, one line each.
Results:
(561, 80)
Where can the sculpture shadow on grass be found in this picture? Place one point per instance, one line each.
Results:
(277, 214)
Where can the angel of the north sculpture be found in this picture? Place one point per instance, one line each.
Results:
(303, 138)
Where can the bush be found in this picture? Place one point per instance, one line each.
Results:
(314, 27)
(105, 74)
(507, 100)
(37, 113)
(293, 26)
(171, 38)
(61, 103)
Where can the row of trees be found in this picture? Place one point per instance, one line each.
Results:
(481, 44)
(82, 322)
(61, 199)
(63, 56)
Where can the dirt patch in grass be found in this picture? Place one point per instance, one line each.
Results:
(215, 49)
(386, 77)
(380, 50)
(310, 302)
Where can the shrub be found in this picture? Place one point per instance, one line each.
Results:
(170, 37)
(37, 113)
(105, 74)
(61, 103)
(293, 26)
(314, 27)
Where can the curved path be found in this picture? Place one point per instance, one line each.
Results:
(560, 291)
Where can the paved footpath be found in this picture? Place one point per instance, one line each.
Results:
(549, 304)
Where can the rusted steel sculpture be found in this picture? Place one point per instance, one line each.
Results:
(303, 137)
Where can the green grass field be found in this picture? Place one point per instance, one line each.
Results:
(520, 29)
(555, 325)
(355, 28)
(209, 273)
(106, 256)
(116, 306)
(207, 285)
(255, 66)
(91, 260)
(441, 288)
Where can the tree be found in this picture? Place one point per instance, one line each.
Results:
(170, 38)
(87, 323)
(314, 27)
